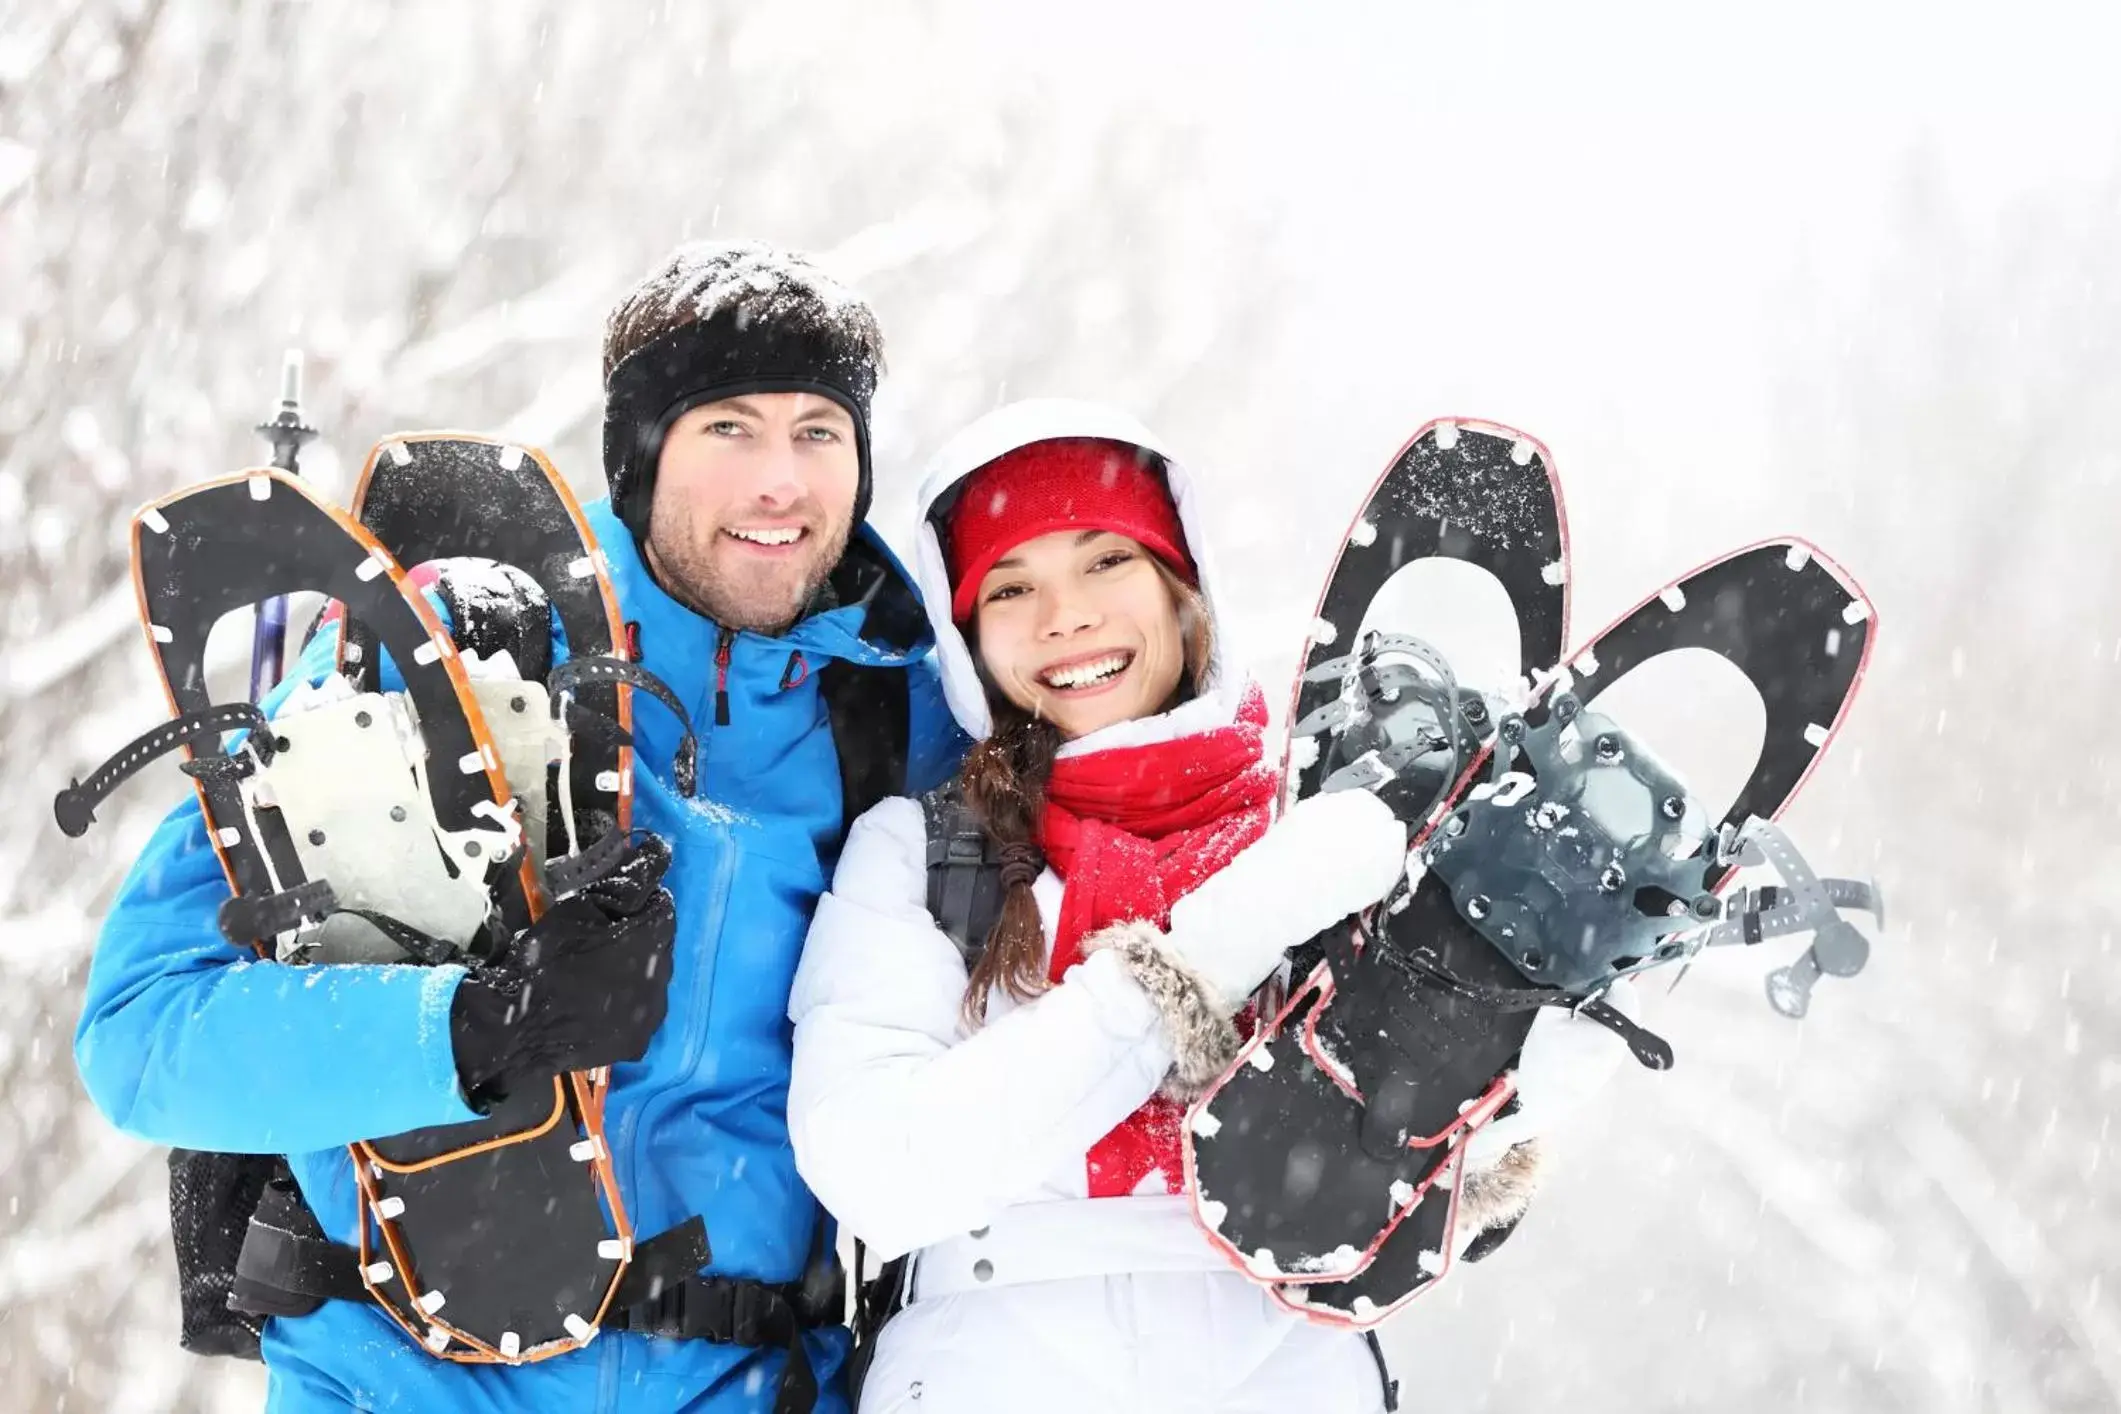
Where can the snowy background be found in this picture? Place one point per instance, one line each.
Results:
(1797, 268)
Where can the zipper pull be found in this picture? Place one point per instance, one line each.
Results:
(721, 676)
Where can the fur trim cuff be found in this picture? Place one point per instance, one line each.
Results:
(1203, 1040)
(1498, 1196)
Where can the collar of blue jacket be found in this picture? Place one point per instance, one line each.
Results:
(868, 612)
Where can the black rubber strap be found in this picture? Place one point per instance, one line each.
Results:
(574, 872)
(248, 919)
(75, 806)
(1651, 1049)
(598, 669)
(421, 947)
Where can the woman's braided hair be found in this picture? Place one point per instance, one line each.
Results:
(1004, 782)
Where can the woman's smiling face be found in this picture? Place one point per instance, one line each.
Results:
(1080, 627)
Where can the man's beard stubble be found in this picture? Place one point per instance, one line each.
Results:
(692, 576)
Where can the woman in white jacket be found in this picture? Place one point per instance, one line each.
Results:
(1014, 1124)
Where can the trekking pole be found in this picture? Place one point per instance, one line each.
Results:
(286, 432)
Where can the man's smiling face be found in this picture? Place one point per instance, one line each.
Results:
(754, 502)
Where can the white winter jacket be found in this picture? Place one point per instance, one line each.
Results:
(970, 1150)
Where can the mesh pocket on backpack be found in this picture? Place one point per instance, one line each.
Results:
(211, 1198)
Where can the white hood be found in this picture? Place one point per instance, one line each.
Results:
(1003, 431)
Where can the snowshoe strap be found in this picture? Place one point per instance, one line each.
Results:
(1803, 903)
(575, 872)
(418, 946)
(731, 1311)
(1652, 1050)
(598, 669)
(596, 728)
(248, 920)
(75, 806)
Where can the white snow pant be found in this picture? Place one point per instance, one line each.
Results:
(1157, 1342)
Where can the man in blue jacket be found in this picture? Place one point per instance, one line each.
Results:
(736, 443)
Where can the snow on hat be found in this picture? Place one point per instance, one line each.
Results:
(1069, 483)
(717, 320)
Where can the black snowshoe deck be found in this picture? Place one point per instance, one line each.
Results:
(459, 1194)
(1809, 611)
(1314, 1189)
(1476, 492)
(441, 1204)
(229, 543)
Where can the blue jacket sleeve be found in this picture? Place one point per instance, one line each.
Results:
(935, 743)
(187, 1040)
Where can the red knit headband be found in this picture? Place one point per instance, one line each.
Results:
(1068, 483)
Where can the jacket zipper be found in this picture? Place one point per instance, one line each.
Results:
(613, 1368)
(721, 676)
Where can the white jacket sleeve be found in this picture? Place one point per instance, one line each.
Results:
(908, 1131)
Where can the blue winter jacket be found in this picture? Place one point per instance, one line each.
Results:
(187, 1041)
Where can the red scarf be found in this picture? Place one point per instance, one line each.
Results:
(1132, 830)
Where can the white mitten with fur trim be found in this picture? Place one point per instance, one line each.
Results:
(1565, 1061)
(1328, 857)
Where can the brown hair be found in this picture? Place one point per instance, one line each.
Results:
(1004, 782)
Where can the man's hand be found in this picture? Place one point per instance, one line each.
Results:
(584, 986)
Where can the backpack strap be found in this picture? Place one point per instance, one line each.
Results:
(870, 715)
(964, 871)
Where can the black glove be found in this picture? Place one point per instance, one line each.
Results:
(584, 986)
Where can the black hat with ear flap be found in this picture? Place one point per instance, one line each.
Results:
(718, 320)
